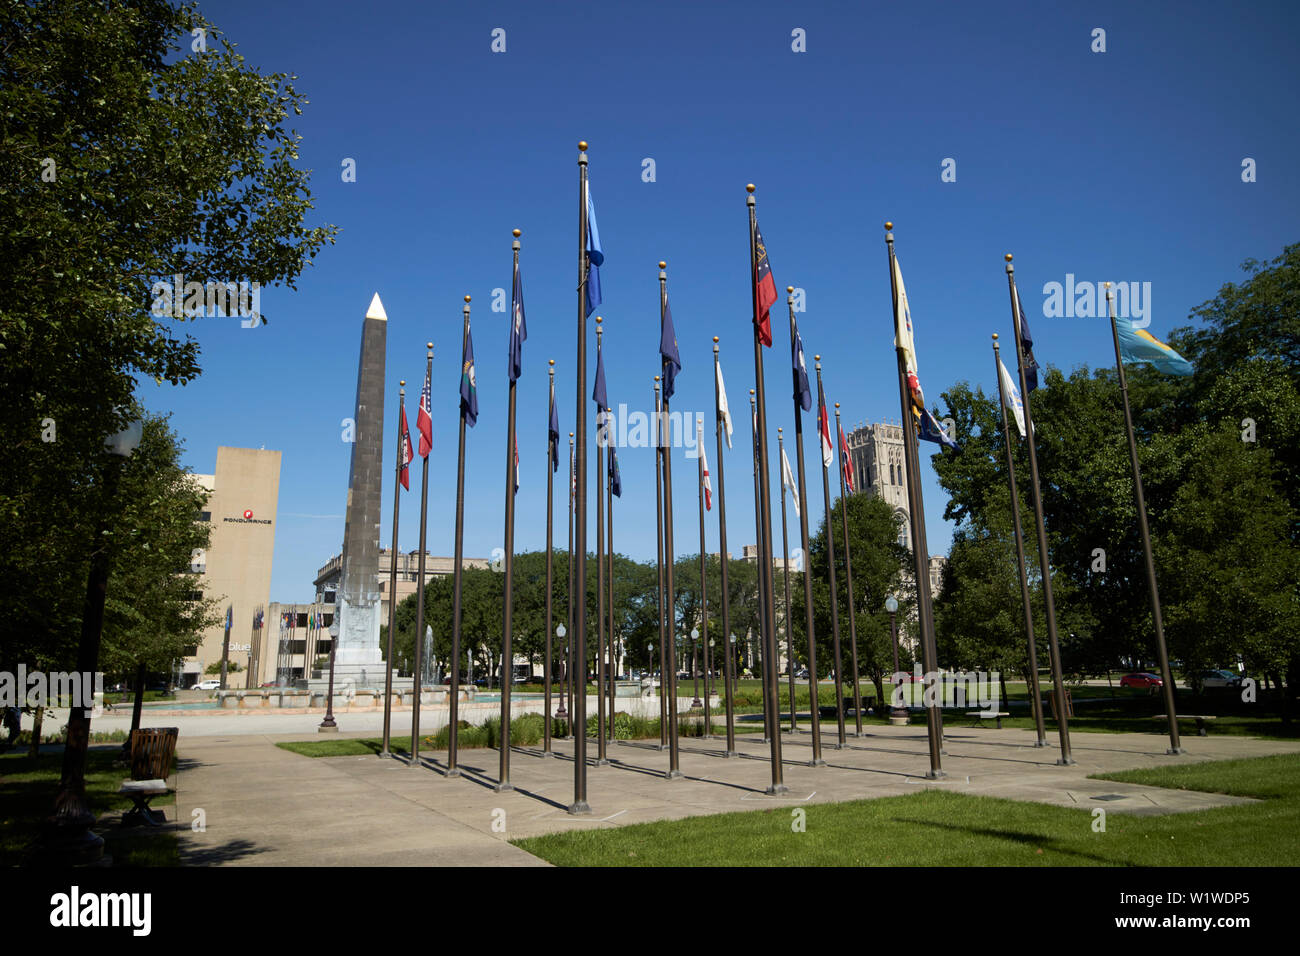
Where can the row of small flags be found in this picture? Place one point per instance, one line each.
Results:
(1136, 345)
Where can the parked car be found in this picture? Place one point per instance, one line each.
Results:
(1143, 680)
(1214, 680)
(210, 684)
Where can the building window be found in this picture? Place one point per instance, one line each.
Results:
(302, 620)
(329, 620)
(205, 515)
(195, 596)
(329, 597)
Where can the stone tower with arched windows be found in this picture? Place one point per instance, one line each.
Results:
(878, 469)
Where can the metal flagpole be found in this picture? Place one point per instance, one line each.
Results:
(1035, 694)
(579, 630)
(566, 685)
(550, 548)
(453, 696)
(419, 594)
(612, 668)
(816, 730)
(659, 542)
(392, 578)
(925, 622)
(848, 576)
(704, 588)
(785, 573)
(830, 566)
(1044, 559)
(728, 655)
(602, 759)
(508, 595)
(1175, 744)
(765, 557)
(670, 600)
(762, 584)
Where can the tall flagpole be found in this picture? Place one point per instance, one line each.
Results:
(579, 630)
(392, 578)
(611, 669)
(419, 592)
(508, 593)
(659, 543)
(848, 576)
(785, 573)
(762, 583)
(567, 649)
(670, 602)
(453, 697)
(728, 654)
(830, 566)
(920, 555)
(1175, 745)
(1035, 694)
(765, 492)
(704, 587)
(817, 760)
(1044, 559)
(550, 548)
(602, 433)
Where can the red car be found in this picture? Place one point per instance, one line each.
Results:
(1141, 680)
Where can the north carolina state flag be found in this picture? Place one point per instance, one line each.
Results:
(766, 288)
(407, 453)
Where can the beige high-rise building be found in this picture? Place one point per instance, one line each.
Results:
(244, 492)
(879, 469)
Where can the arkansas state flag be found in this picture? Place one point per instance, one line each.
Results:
(846, 461)
(423, 422)
(824, 427)
(406, 452)
(766, 288)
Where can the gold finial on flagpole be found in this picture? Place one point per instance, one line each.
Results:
(995, 336)
(889, 225)
(582, 145)
(749, 188)
(466, 298)
(662, 264)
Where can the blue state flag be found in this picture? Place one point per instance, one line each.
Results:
(930, 430)
(553, 436)
(518, 327)
(1029, 363)
(672, 360)
(802, 390)
(615, 479)
(468, 382)
(1140, 346)
(595, 256)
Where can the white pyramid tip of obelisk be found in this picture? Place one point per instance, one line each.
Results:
(376, 310)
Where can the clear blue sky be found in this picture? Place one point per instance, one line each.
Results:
(1123, 165)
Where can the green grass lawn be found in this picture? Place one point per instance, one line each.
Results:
(27, 791)
(941, 828)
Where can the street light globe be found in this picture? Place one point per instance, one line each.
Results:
(126, 441)
(560, 631)
(891, 604)
(733, 638)
(695, 633)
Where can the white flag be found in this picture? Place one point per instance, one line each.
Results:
(1012, 394)
(903, 337)
(787, 477)
(723, 410)
(704, 462)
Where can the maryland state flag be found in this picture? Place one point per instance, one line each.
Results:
(766, 288)
(846, 461)
(407, 453)
(708, 486)
(903, 338)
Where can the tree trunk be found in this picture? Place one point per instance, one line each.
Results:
(37, 720)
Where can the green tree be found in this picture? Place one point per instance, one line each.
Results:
(122, 163)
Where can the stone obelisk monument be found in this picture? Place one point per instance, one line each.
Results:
(358, 660)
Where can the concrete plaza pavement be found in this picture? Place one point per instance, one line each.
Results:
(266, 806)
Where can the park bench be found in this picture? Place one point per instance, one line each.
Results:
(979, 716)
(152, 749)
(868, 703)
(1202, 730)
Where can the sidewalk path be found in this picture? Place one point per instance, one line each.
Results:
(267, 806)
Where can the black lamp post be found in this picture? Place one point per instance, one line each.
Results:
(708, 674)
(562, 714)
(327, 726)
(695, 671)
(897, 715)
(68, 837)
